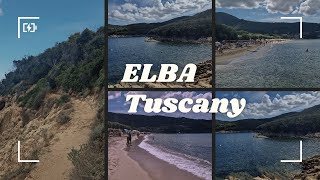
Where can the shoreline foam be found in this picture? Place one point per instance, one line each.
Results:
(196, 166)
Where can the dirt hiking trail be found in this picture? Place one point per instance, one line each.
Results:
(54, 163)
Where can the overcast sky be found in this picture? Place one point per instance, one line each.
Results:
(271, 10)
(262, 104)
(137, 11)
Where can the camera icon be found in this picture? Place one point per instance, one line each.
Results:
(29, 27)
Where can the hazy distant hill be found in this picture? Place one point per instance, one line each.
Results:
(311, 30)
(301, 123)
(294, 123)
(162, 124)
(240, 125)
(188, 27)
(246, 124)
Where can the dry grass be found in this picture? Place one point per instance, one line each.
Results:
(88, 161)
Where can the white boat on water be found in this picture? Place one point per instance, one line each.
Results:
(149, 39)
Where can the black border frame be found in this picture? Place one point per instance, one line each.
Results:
(107, 89)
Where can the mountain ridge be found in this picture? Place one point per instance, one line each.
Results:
(186, 27)
(162, 124)
(284, 29)
(300, 123)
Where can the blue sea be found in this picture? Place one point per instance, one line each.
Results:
(242, 154)
(134, 50)
(284, 65)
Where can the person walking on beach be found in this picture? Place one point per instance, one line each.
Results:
(129, 136)
(128, 140)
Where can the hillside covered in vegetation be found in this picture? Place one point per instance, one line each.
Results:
(306, 122)
(186, 27)
(232, 28)
(159, 124)
(73, 66)
(302, 123)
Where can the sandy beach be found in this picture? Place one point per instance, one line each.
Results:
(231, 54)
(137, 164)
(120, 165)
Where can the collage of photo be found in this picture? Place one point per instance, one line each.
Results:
(265, 52)
(161, 50)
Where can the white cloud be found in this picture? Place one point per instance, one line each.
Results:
(155, 10)
(1, 11)
(114, 95)
(288, 103)
(310, 7)
(282, 6)
(305, 7)
(246, 4)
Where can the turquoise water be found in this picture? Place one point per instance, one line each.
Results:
(285, 65)
(135, 50)
(242, 153)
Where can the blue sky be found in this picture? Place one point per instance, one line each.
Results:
(137, 11)
(58, 20)
(271, 10)
(261, 104)
(117, 102)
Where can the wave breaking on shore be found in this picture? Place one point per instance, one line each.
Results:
(196, 166)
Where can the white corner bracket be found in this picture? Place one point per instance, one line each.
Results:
(300, 18)
(19, 19)
(295, 161)
(25, 161)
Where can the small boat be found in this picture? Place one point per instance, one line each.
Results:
(149, 39)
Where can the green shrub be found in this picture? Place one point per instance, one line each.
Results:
(34, 98)
(88, 163)
(63, 118)
(63, 99)
(97, 132)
